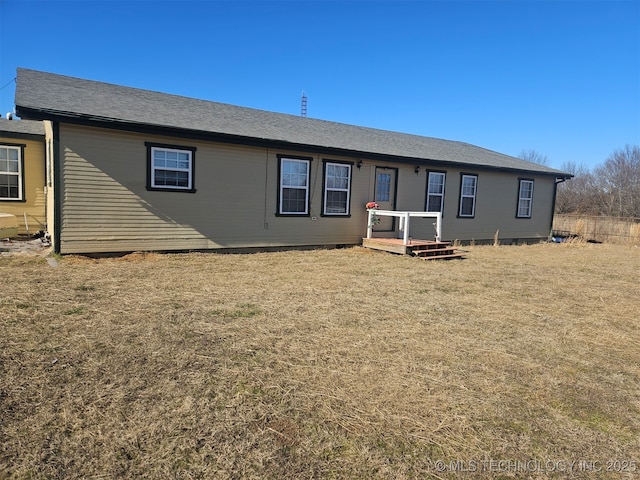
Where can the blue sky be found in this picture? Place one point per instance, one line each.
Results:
(560, 77)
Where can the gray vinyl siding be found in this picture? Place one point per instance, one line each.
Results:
(106, 206)
(495, 211)
(496, 204)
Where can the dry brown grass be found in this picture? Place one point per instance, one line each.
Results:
(322, 364)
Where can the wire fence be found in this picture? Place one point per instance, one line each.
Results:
(598, 228)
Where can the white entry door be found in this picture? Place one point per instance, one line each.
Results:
(385, 196)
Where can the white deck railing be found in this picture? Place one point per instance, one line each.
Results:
(405, 219)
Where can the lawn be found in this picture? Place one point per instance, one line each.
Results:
(517, 362)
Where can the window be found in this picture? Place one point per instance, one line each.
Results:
(170, 167)
(468, 189)
(383, 187)
(293, 194)
(435, 192)
(11, 186)
(525, 198)
(337, 185)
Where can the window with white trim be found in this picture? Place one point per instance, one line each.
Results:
(170, 167)
(525, 198)
(435, 192)
(337, 186)
(293, 192)
(468, 190)
(11, 187)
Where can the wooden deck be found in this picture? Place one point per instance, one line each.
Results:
(424, 249)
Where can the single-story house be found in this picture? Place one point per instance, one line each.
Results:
(141, 170)
(22, 174)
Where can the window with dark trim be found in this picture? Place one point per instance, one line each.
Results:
(468, 191)
(293, 185)
(525, 198)
(435, 191)
(337, 188)
(12, 172)
(170, 167)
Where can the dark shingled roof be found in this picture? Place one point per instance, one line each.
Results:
(24, 127)
(42, 95)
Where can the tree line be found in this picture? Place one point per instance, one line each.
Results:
(611, 189)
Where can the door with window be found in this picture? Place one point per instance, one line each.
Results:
(385, 196)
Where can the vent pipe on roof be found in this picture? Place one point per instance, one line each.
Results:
(9, 116)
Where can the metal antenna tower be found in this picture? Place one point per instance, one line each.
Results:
(303, 105)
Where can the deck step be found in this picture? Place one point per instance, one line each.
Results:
(437, 251)
(432, 245)
(434, 251)
(425, 249)
(442, 257)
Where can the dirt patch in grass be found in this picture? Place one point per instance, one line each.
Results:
(322, 364)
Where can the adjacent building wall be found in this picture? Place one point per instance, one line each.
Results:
(32, 206)
(49, 179)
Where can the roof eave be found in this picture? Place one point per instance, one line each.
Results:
(22, 135)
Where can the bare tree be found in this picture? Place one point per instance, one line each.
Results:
(617, 183)
(534, 156)
(576, 195)
(611, 189)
